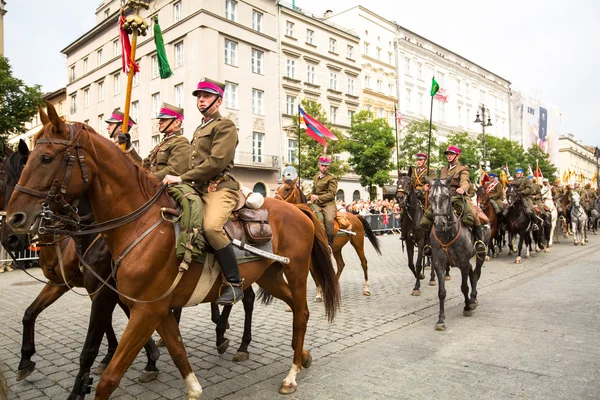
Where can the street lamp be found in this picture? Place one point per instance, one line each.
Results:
(483, 110)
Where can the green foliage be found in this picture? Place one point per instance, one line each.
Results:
(370, 146)
(18, 101)
(536, 153)
(414, 140)
(310, 149)
(502, 151)
(470, 151)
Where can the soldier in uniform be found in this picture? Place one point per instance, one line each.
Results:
(323, 194)
(496, 194)
(209, 172)
(526, 189)
(420, 180)
(115, 124)
(557, 191)
(537, 195)
(576, 189)
(171, 155)
(459, 186)
(590, 196)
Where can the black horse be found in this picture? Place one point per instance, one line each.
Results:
(517, 222)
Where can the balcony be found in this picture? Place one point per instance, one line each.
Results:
(248, 160)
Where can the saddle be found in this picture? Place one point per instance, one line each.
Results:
(249, 226)
(339, 222)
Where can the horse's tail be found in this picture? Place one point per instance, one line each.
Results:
(264, 296)
(370, 235)
(322, 267)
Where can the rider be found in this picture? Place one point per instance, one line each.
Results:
(459, 187)
(420, 179)
(209, 172)
(546, 190)
(537, 195)
(171, 155)
(115, 124)
(323, 194)
(557, 191)
(496, 194)
(526, 189)
(590, 196)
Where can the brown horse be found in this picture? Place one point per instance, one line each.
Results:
(148, 277)
(564, 216)
(290, 192)
(484, 202)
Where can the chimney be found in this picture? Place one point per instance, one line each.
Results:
(327, 14)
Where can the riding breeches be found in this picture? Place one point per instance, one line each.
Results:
(462, 206)
(498, 205)
(329, 212)
(218, 207)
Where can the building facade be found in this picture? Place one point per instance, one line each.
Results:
(234, 42)
(577, 162)
(2, 12)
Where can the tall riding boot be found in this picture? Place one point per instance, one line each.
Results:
(402, 237)
(330, 239)
(480, 246)
(231, 291)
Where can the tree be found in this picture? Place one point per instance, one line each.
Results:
(415, 140)
(501, 151)
(310, 149)
(470, 151)
(18, 101)
(370, 146)
(536, 153)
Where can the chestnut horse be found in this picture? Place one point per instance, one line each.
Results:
(290, 192)
(127, 206)
(485, 203)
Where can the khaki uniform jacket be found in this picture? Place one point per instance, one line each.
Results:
(460, 176)
(537, 191)
(420, 177)
(169, 157)
(579, 191)
(213, 150)
(497, 192)
(557, 191)
(525, 186)
(325, 188)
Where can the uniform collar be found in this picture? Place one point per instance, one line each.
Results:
(171, 134)
(215, 115)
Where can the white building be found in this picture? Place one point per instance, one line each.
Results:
(234, 42)
(576, 161)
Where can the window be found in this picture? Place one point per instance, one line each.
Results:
(350, 116)
(231, 90)
(289, 28)
(106, 13)
(290, 105)
(60, 107)
(154, 60)
(292, 151)
(408, 106)
(230, 10)
(378, 53)
(155, 104)
(101, 126)
(155, 140)
(310, 73)
(72, 73)
(257, 61)
(407, 66)
(380, 113)
(333, 114)
(390, 59)
(459, 116)
(391, 89)
(86, 98)
(440, 79)
(339, 195)
(101, 91)
(367, 81)
(135, 110)
(379, 85)
(85, 65)
(368, 107)
(257, 18)
(391, 118)
(258, 145)
(116, 48)
(333, 80)
(356, 195)
(366, 48)
(290, 71)
(419, 70)
(178, 54)
(467, 89)
(179, 95)
(230, 52)
(468, 113)
(257, 101)
(310, 36)
(117, 83)
(99, 57)
(332, 45)
(260, 187)
(177, 12)
(350, 86)
(73, 103)
(420, 103)
(350, 52)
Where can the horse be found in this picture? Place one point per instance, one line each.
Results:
(578, 220)
(553, 212)
(484, 202)
(595, 215)
(127, 205)
(452, 245)
(565, 217)
(517, 222)
(290, 192)
(414, 234)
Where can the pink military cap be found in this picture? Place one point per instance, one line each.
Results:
(452, 149)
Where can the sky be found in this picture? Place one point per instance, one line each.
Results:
(547, 48)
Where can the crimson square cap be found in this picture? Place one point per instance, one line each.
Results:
(209, 86)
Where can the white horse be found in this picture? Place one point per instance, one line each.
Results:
(578, 220)
(548, 202)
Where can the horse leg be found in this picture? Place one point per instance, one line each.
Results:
(474, 276)
(441, 324)
(242, 353)
(519, 248)
(221, 328)
(48, 295)
(111, 338)
(464, 288)
(177, 313)
(447, 276)
(432, 276)
(410, 253)
(358, 242)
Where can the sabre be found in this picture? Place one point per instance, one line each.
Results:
(260, 252)
(347, 231)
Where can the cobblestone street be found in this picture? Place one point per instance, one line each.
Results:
(355, 357)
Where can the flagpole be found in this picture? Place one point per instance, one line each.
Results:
(397, 151)
(429, 141)
(299, 170)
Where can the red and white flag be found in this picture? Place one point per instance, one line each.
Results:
(441, 95)
(399, 117)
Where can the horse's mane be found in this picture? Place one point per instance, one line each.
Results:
(290, 182)
(13, 162)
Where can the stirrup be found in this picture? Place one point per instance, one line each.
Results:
(534, 227)
(427, 250)
(232, 286)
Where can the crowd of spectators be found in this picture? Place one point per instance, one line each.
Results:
(383, 215)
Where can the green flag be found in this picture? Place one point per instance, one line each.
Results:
(434, 87)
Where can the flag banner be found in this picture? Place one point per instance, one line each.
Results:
(441, 95)
(538, 173)
(315, 126)
(483, 177)
(399, 118)
(506, 170)
(434, 87)
(529, 170)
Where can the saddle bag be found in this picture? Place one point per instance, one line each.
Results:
(343, 222)
(256, 225)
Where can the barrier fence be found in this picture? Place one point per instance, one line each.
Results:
(384, 223)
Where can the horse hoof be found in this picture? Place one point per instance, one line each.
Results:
(366, 293)
(431, 283)
(307, 360)
(25, 372)
(448, 278)
(241, 356)
(547, 250)
(468, 313)
(160, 343)
(518, 260)
(287, 388)
(288, 309)
(528, 256)
(222, 348)
(473, 306)
(148, 376)
(422, 276)
(487, 258)
(416, 292)
(583, 243)
(440, 327)
(100, 369)
(495, 255)
(318, 299)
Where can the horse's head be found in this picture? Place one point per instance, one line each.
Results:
(404, 186)
(482, 196)
(290, 192)
(13, 167)
(57, 172)
(441, 206)
(575, 199)
(512, 195)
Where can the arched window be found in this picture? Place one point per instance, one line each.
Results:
(356, 195)
(259, 187)
(340, 195)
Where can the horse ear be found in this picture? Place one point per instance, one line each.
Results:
(410, 169)
(6, 150)
(58, 123)
(43, 116)
(23, 149)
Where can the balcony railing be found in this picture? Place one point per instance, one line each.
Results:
(250, 160)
